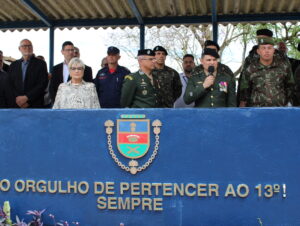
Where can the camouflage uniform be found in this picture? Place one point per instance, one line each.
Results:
(254, 57)
(296, 101)
(267, 86)
(169, 86)
(220, 94)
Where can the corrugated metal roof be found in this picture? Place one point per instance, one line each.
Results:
(96, 13)
(84, 9)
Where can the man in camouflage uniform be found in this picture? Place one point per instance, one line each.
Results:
(268, 81)
(296, 101)
(138, 89)
(169, 84)
(208, 89)
(209, 44)
(253, 56)
(297, 87)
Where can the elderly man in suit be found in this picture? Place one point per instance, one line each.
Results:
(28, 78)
(60, 72)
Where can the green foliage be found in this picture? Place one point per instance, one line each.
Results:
(288, 33)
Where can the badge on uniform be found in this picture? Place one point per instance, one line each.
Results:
(223, 86)
(144, 92)
(143, 83)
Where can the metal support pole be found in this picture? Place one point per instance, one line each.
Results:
(142, 36)
(51, 47)
(214, 20)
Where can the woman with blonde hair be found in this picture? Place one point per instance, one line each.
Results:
(76, 94)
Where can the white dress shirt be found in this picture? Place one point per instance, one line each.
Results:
(66, 73)
(179, 103)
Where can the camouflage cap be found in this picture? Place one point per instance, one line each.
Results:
(265, 41)
(160, 48)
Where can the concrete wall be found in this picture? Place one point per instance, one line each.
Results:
(237, 167)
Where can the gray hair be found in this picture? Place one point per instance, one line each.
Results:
(76, 61)
(23, 40)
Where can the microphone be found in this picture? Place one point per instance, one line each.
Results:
(211, 70)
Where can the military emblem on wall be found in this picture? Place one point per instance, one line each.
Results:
(133, 140)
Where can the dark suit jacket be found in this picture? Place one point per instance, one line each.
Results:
(6, 98)
(58, 78)
(5, 67)
(35, 81)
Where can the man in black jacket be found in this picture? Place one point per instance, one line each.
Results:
(5, 91)
(3, 66)
(27, 78)
(60, 72)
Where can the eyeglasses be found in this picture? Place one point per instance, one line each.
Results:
(150, 59)
(76, 68)
(26, 46)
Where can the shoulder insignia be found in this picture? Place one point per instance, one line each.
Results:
(129, 77)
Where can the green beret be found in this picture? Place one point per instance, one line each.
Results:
(265, 41)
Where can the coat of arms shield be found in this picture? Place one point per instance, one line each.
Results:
(133, 140)
(133, 137)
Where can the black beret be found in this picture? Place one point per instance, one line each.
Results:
(265, 32)
(211, 52)
(211, 43)
(147, 52)
(113, 50)
(160, 48)
(298, 47)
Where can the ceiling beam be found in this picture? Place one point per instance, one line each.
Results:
(136, 11)
(35, 10)
(245, 18)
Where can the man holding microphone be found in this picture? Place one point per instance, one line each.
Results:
(210, 87)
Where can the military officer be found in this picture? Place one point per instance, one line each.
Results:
(138, 89)
(254, 57)
(268, 81)
(169, 84)
(209, 88)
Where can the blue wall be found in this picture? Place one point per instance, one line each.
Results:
(222, 146)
